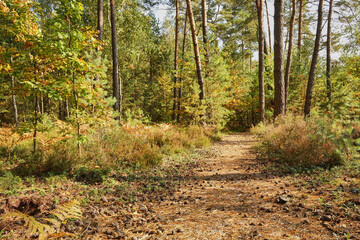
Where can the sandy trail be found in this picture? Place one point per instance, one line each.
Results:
(229, 196)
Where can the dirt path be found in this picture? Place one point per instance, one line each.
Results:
(230, 197)
(225, 195)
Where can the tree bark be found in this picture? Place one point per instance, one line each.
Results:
(180, 79)
(35, 110)
(300, 26)
(42, 104)
(266, 52)
(310, 84)
(289, 54)
(61, 115)
(279, 59)
(35, 124)
(16, 115)
(196, 51)
(115, 57)
(259, 6)
(67, 110)
(176, 59)
(268, 25)
(328, 54)
(205, 33)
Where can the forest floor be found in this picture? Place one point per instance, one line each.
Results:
(228, 193)
(230, 196)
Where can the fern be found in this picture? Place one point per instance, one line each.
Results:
(46, 227)
(33, 226)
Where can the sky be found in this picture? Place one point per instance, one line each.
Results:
(162, 10)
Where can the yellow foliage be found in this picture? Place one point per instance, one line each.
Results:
(69, 210)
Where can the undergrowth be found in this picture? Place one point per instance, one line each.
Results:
(308, 143)
(99, 150)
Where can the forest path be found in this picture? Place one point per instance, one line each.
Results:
(229, 196)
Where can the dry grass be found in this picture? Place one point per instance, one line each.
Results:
(102, 147)
(312, 142)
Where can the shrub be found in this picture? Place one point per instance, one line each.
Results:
(307, 143)
(10, 184)
(109, 146)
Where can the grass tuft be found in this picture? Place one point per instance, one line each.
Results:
(314, 142)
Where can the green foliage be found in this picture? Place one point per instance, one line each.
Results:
(306, 143)
(90, 175)
(10, 184)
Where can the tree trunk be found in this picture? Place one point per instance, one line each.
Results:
(266, 52)
(328, 54)
(180, 79)
(41, 104)
(259, 6)
(61, 115)
(100, 29)
(120, 92)
(310, 84)
(279, 59)
(67, 110)
(289, 54)
(176, 59)
(268, 24)
(100, 20)
(114, 56)
(35, 110)
(205, 34)
(196, 51)
(76, 111)
(16, 116)
(300, 26)
(35, 124)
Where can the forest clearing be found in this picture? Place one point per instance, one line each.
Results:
(169, 119)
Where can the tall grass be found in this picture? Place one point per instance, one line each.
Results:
(312, 142)
(108, 146)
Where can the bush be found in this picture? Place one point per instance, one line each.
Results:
(103, 147)
(306, 143)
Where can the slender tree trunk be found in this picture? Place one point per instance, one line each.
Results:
(48, 107)
(259, 6)
(120, 93)
(100, 29)
(182, 58)
(300, 26)
(279, 59)
(67, 110)
(196, 51)
(268, 25)
(100, 20)
(266, 51)
(328, 54)
(16, 116)
(76, 111)
(176, 59)
(60, 111)
(289, 54)
(35, 124)
(42, 104)
(38, 105)
(114, 56)
(310, 84)
(35, 110)
(205, 34)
